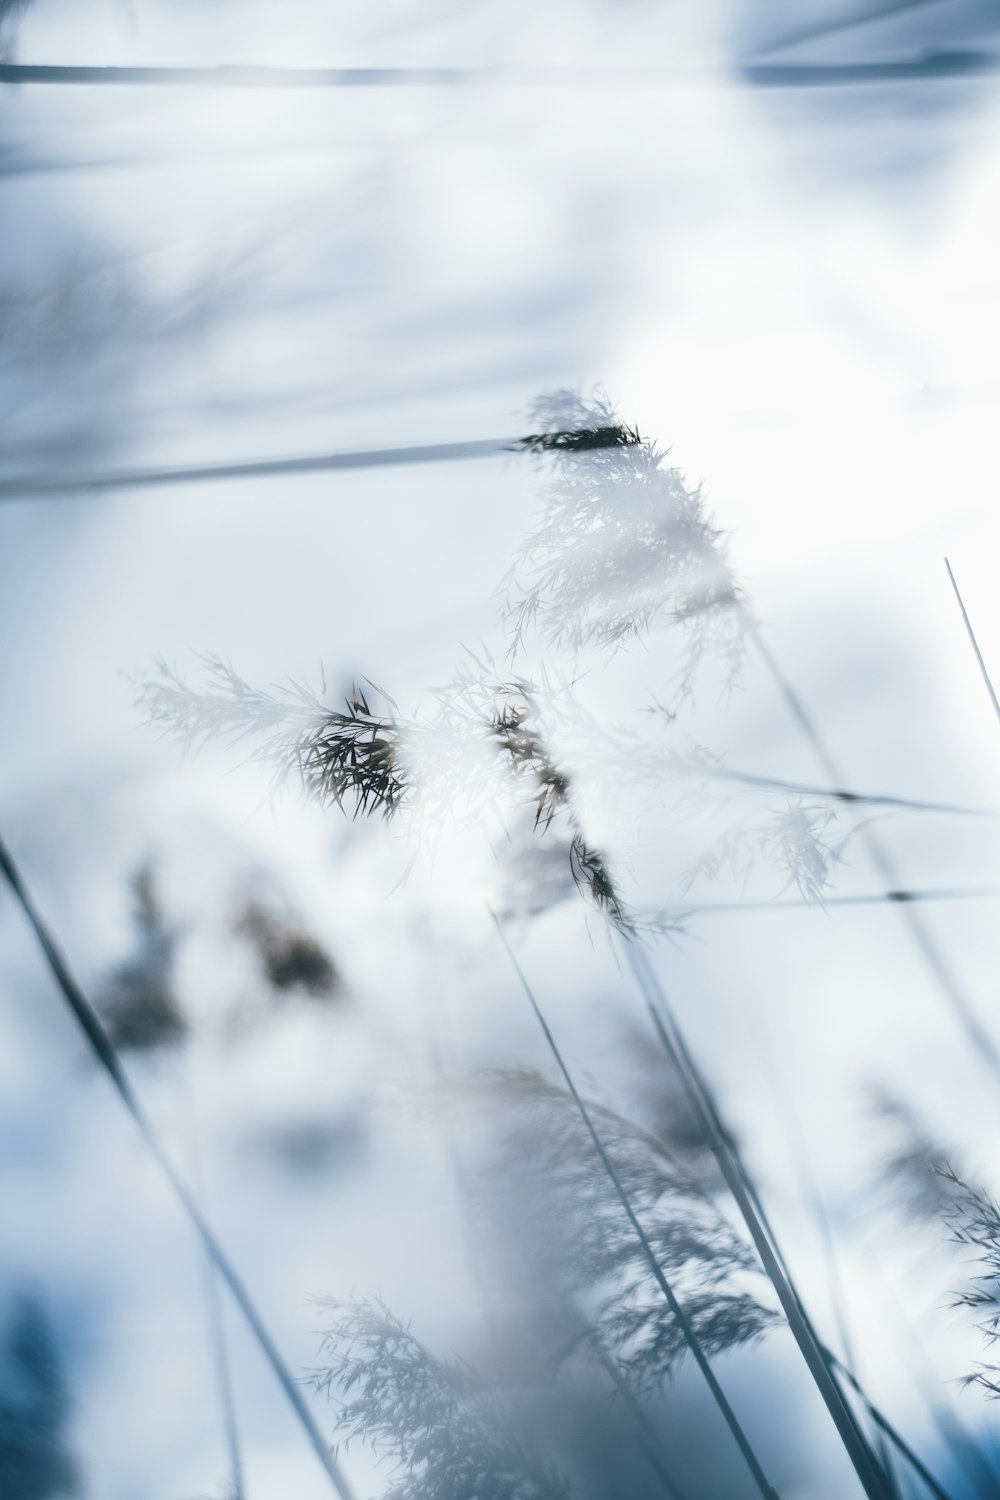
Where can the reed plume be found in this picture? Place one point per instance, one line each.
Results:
(569, 1212)
(621, 541)
(437, 1421)
(337, 754)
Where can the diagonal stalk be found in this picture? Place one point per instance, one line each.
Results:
(215, 1317)
(734, 1170)
(914, 1459)
(974, 643)
(646, 1434)
(103, 1050)
(683, 1322)
(737, 1180)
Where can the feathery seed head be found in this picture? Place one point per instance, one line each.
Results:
(622, 540)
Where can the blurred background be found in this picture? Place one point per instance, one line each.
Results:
(772, 247)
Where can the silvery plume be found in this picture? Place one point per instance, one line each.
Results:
(622, 541)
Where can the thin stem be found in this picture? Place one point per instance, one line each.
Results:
(972, 638)
(733, 1167)
(835, 1280)
(796, 903)
(840, 794)
(737, 1180)
(980, 1469)
(28, 486)
(683, 1322)
(463, 1195)
(647, 1433)
(969, 63)
(912, 1458)
(963, 1446)
(101, 1046)
(214, 1312)
(223, 1375)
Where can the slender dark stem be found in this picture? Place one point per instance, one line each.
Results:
(975, 644)
(647, 1434)
(723, 1145)
(223, 1375)
(835, 1280)
(683, 1322)
(966, 1452)
(981, 1469)
(723, 1142)
(216, 1320)
(912, 1458)
(737, 1180)
(107, 1057)
(29, 486)
(840, 794)
(760, 75)
(796, 903)
(463, 1193)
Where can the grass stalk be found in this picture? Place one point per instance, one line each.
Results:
(973, 642)
(746, 1195)
(690, 1336)
(928, 67)
(223, 1379)
(737, 1179)
(41, 485)
(840, 794)
(106, 1056)
(215, 1318)
(648, 1439)
(912, 1458)
(646, 1433)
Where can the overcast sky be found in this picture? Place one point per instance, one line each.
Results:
(794, 291)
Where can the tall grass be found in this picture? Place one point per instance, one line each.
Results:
(623, 545)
